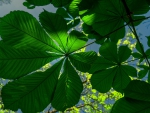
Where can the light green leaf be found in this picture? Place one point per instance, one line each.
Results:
(32, 93)
(25, 32)
(83, 60)
(75, 41)
(73, 8)
(56, 27)
(15, 63)
(68, 89)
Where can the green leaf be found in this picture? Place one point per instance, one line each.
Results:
(138, 90)
(60, 3)
(74, 23)
(142, 73)
(106, 51)
(73, 8)
(35, 90)
(137, 55)
(56, 27)
(15, 63)
(148, 38)
(137, 7)
(25, 32)
(62, 12)
(138, 47)
(123, 53)
(75, 41)
(102, 80)
(121, 79)
(68, 89)
(126, 105)
(131, 71)
(83, 60)
(28, 5)
(39, 2)
(100, 64)
(148, 53)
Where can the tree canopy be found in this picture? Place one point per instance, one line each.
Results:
(29, 44)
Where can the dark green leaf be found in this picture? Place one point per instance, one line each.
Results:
(142, 73)
(121, 79)
(137, 55)
(25, 32)
(62, 12)
(126, 105)
(68, 89)
(74, 23)
(131, 71)
(39, 2)
(102, 80)
(100, 64)
(83, 61)
(60, 3)
(138, 47)
(15, 63)
(148, 38)
(138, 90)
(31, 93)
(123, 53)
(28, 5)
(109, 51)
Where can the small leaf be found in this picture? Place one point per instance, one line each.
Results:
(148, 38)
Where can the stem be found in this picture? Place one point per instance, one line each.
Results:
(134, 30)
(102, 37)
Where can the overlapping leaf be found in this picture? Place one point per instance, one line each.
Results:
(25, 32)
(108, 16)
(136, 98)
(82, 61)
(32, 93)
(60, 3)
(108, 69)
(15, 63)
(125, 105)
(23, 58)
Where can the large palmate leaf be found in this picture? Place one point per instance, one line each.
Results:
(126, 105)
(68, 89)
(32, 93)
(15, 63)
(108, 70)
(138, 90)
(25, 32)
(108, 16)
(83, 61)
